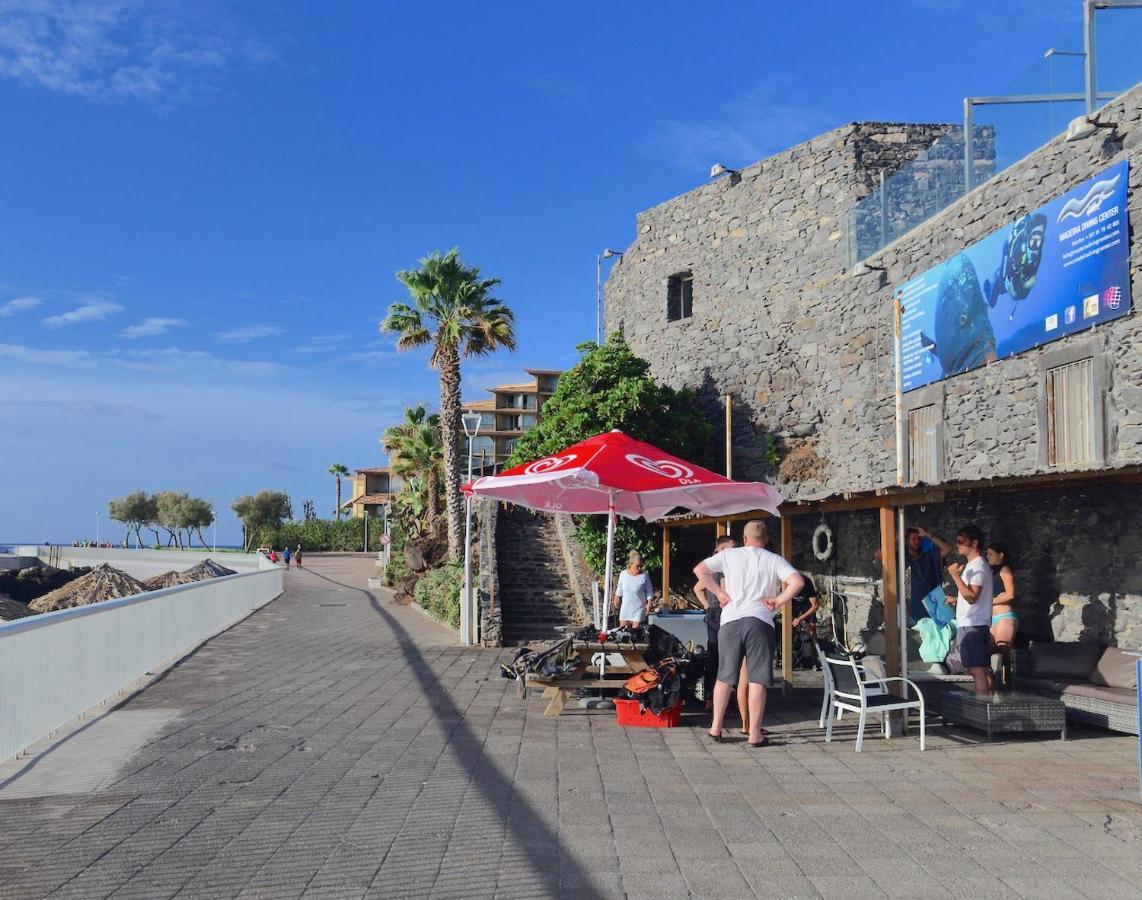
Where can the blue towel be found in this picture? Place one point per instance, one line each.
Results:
(935, 640)
(938, 608)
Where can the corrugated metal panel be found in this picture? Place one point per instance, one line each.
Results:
(924, 445)
(1070, 414)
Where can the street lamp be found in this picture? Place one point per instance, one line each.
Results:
(606, 254)
(97, 528)
(468, 627)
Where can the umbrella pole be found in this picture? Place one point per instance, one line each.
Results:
(610, 560)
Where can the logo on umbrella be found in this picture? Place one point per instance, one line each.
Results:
(549, 463)
(664, 467)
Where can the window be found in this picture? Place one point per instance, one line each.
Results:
(547, 383)
(924, 445)
(482, 444)
(487, 420)
(1070, 414)
(680, 296)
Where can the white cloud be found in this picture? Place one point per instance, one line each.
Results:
(248, 333)
(175, 361)
(37, 357)
(745, 129)
(322, 343)
(121, 49)
(369, 358)
(20, 304)
(89, 312)
(151, 327)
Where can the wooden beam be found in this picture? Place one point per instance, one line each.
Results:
(666, 562)
(787, 613)
(687, 521)
(891, 600)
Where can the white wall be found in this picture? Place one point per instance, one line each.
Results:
(56, 666)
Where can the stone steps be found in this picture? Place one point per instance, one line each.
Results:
(534, 594)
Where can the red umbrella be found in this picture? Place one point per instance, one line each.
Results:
(613, 473)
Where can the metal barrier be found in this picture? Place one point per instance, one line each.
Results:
(56, 666)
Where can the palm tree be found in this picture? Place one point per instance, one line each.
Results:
(453, 311)
(415, 449)
(337, 470)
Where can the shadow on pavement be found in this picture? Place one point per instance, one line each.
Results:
(533, 836)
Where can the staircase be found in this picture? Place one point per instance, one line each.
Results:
(534, 594)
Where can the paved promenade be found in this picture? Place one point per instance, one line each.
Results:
(336, 745)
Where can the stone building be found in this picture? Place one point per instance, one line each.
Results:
(745, 287)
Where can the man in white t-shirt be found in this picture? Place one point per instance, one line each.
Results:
(756, 582)
(973, 608)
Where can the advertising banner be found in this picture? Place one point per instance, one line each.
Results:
(1060, 269)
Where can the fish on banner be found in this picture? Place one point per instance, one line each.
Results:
(1062, 268)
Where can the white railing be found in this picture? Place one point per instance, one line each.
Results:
(56, 666)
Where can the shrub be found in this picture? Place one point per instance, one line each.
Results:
(324, 535)
(397, 569)
(438, 592)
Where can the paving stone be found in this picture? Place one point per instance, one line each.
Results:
(362, 753)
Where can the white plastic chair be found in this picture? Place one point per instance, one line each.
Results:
(850, 686)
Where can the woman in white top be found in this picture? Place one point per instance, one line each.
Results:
(633, 593)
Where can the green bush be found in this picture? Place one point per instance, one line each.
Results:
(438, 592)
(397, 569)
(323, 535)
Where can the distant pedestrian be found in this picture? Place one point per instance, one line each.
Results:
(297, 555)
(973, 608)
(285, 556)
(273, 555)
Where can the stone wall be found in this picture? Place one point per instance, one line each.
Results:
(806, 347)
(487, 578)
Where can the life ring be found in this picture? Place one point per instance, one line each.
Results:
(823, 541)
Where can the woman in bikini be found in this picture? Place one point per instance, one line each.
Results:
(1004, 619)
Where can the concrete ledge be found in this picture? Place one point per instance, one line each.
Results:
(424, 612)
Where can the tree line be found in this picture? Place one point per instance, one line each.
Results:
(177, 513)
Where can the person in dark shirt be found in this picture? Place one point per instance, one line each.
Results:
(713, 623)
(805, 606)
(925, 554)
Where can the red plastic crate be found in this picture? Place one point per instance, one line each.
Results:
(629, 714)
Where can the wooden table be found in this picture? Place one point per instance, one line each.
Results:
(558, 690)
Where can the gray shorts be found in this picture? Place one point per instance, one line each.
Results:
(752, 639)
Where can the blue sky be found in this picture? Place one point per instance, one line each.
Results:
(202, 204)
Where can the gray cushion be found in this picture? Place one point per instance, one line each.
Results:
(1064, 661)
(1117, 668)
(1114, 695)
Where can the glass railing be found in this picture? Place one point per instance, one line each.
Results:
(1005, 126)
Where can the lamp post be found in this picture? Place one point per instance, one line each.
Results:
(387, 541)
(606, 254)
(97, 528)
(468, 627)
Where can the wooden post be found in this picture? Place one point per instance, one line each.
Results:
(787, 613)
(729, 437)
(666, 564)
(891, 600)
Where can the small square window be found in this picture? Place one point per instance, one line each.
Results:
(680, 296)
